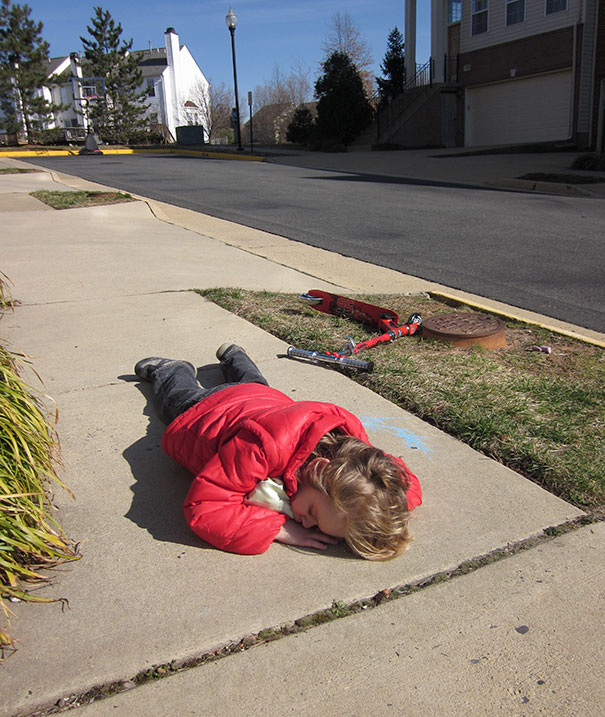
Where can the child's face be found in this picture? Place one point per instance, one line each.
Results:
(312, 509)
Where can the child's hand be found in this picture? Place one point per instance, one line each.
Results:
(293, 533)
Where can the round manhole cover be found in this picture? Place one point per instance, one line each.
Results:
(466, 329)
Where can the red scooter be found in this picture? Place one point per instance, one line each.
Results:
(384, 320)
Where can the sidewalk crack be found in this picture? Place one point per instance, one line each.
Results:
(338, 609)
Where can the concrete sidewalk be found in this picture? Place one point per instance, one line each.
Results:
(456, 167)
(100, 288)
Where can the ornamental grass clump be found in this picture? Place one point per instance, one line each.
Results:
(6, 299)
(30, 538)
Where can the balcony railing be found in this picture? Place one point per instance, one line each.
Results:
(414, 87)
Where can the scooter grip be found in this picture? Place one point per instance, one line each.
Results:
(317, 357)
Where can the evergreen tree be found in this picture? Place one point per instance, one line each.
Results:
(300, 128)
(393, 67)
(23, 72)
(119, 114)
(343, 110)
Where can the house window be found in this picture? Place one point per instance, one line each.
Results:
(150, 87)
(454, 10)
(515, 11)
(555, 6)
(479, 17)
(193, 117)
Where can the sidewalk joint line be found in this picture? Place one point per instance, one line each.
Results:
(95, 299)
(337, 610)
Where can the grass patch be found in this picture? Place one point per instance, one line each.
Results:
(72, 200)
(30, 538)
(539, 414)
(562, 178)
(17, 170)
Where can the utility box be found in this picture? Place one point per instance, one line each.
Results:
(190, 134)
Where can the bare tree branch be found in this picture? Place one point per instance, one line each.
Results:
(344, 36)
(214, 106)
(294, 88)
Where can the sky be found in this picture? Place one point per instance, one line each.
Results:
(269, 32)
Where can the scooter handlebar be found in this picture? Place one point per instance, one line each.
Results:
(318, 357)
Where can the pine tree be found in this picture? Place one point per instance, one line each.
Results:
(23, 72)
(119, 114)
(343, 110)
(300, 128)
(393, 67)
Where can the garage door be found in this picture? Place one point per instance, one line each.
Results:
(533, 109)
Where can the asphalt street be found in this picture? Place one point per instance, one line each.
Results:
(538, 252)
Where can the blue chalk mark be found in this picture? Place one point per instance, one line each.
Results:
(386, 424)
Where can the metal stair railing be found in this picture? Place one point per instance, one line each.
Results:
(413, 88)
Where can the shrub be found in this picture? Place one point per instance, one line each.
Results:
(590, 161)
(48, 136)
(145, 136)
(301, 127)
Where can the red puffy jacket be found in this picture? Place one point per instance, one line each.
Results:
(239, 436)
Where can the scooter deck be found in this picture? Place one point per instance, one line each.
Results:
(353, 309)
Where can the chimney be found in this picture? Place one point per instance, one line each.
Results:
(172, 47)
(75, 65)
(172, 60)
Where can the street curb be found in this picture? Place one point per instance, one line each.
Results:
(71, 153)
(509, 312)
(517, 317)
(527, 185)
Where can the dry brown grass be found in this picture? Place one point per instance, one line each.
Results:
(73, 200)
(540, 414)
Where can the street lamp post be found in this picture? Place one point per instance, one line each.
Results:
(231, 20)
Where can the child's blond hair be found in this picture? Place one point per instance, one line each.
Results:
(368, 488)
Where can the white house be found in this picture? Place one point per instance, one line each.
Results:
(66, 88)
(59, 91)
(178, 91)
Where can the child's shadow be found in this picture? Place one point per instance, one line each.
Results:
(160, 484)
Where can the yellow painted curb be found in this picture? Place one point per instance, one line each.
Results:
(550, 327)
(198, 152)
(38, 153)
(67, 153)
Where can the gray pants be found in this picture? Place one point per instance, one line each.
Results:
(176, 389)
